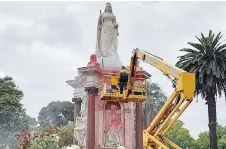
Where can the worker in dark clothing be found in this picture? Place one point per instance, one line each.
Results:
(123, 78)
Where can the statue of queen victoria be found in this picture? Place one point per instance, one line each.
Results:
(107, 34)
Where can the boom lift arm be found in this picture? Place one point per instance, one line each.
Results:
(154, 136)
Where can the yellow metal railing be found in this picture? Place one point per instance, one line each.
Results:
(110, 90)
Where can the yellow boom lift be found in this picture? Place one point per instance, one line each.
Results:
(154, 136)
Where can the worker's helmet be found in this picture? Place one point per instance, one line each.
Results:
(123, 67)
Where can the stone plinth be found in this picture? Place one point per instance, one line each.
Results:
(103, 124)
(109, 62)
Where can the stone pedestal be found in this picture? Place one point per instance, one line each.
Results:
(104, 124)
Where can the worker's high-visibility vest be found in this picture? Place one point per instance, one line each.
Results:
(124, 71)
(121, 72)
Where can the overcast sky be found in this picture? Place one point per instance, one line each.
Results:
(43, 43)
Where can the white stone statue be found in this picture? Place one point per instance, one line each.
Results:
(107, 34)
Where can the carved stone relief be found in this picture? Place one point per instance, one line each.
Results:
(113, 134)
(80, 130)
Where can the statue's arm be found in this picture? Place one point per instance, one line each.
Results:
(115, 25)
(115, 22)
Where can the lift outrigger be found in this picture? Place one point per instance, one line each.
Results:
(154, 136)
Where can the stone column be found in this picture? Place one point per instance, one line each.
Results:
(92, 91)
(139, 126)
(77, 110)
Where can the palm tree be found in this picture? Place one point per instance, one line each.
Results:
(207, 59)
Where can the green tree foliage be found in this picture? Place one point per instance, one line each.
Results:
(203, 139)
(155, 101)
(10, 97)
(207, 59)
(222, 142)
(31, 123)
(11, 112)
(12, 115)
(52, 137)
(56, 113)
(180, 135)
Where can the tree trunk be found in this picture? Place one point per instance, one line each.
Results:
(211, 102)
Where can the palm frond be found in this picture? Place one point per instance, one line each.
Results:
(216, 40)
(208, 61)
(189, 50)
(221, 48)
(197, 46)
